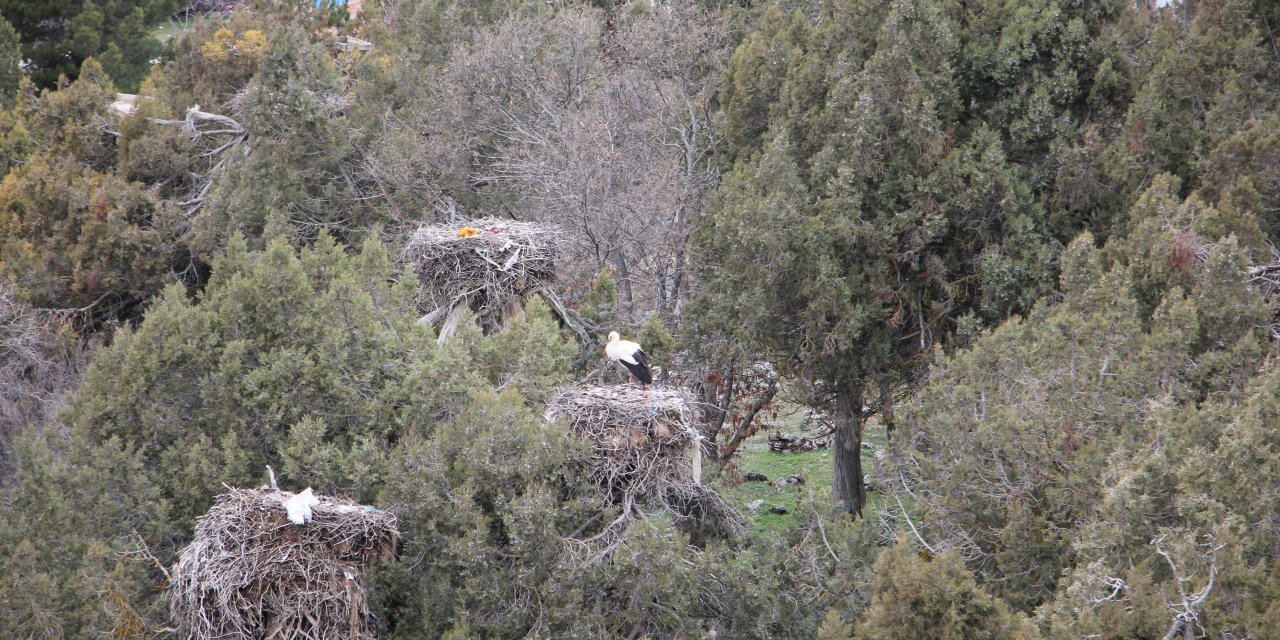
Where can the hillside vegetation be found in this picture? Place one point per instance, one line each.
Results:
(1026, 249)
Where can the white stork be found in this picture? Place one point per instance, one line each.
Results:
(631, 357)
(299, 506)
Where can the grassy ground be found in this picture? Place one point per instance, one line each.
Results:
(814, 466)
(170, 29)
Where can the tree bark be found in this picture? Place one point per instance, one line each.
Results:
(847, 489)
(624, 280)
(886, 412)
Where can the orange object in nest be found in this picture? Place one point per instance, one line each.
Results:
(466, 232)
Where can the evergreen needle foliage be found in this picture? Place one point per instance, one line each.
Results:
(1031, 239)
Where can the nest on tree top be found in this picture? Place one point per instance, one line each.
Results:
(646, 454)
(251, 573)
(490, 269)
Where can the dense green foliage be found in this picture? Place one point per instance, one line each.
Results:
(919, 598)
(1064, 414)
(75, 233)
(58, 36)
(1033, 237)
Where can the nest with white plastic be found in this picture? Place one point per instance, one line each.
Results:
(252, 573)
(490, 269)
(646, 455)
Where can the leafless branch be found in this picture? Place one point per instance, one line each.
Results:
(1187, 609)
(911, 524)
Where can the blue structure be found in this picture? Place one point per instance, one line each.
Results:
(330, 4)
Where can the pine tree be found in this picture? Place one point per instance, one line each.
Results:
(73, 234)
(657, 342)
(600, 305)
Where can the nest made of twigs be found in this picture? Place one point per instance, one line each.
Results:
(251, 573)
(490, 269)
(646, 453)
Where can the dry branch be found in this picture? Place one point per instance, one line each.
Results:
(251, 573)
(645, 454)
(1187, 609)
(213, 134)
(41, 361)
(747, 425)
(194, 120)
(490, 273)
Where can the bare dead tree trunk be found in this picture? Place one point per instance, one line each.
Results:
(847, 488)
(1187, 610)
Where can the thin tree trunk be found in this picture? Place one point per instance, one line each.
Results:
(741, 430)
(624, 280)
(886, 412)
(847, 489)
(677, 281)
(710, 449)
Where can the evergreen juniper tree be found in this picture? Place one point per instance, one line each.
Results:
(845, 247)
(57, 36)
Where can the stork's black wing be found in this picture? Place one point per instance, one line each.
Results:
(641, 368)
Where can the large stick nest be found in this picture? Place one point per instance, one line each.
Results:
(645, 454)
(250, 573)
(491, 272)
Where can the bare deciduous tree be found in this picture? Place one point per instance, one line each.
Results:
(37, 369)
(597, 122)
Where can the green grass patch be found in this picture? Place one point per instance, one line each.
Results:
(814, 466)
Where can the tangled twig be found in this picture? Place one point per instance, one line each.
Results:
(251, 573)
(489, 272)
(645, 454)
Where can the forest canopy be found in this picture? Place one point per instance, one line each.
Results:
(1016, 261)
